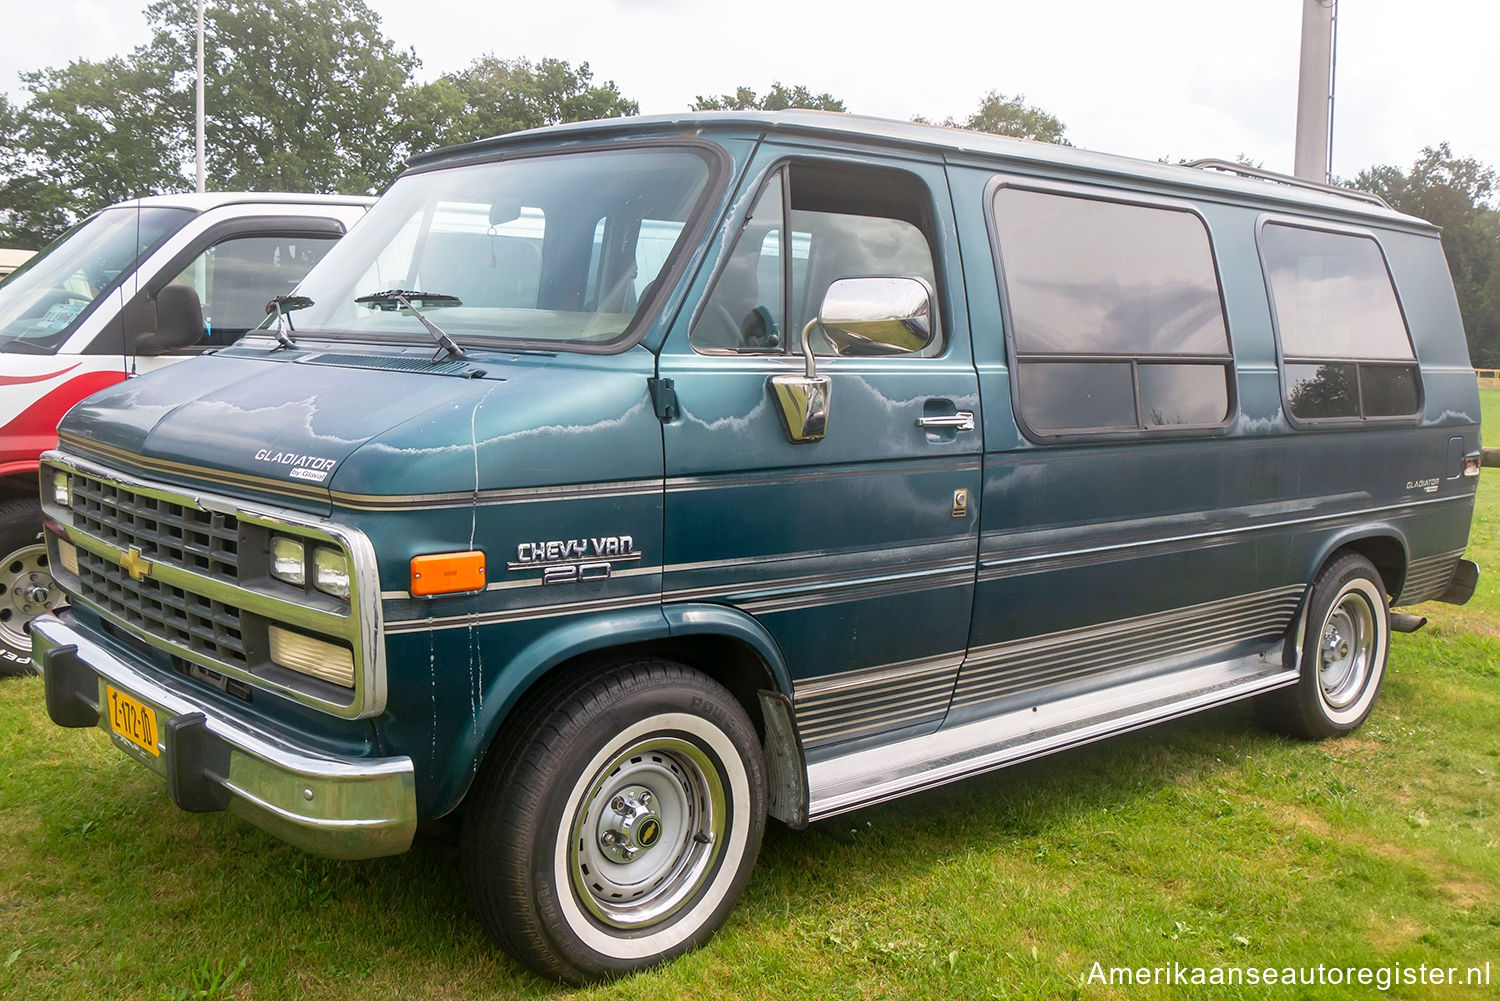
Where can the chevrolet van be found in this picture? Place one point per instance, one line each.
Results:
(618, 485)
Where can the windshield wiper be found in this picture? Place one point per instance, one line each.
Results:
(391, 298)
(282, 305)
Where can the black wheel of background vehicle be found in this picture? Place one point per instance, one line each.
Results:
(26, 586)
(1343, 655)
(617, 825)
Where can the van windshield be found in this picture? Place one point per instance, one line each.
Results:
(558, 250)
(45, 300)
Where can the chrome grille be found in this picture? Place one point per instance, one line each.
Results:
(205, 541)
(193, 622)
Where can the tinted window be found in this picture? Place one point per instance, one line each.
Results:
(1323, 391)
(1091, 284)
(1095, 277)
(1333, 295)
(1178, 395)
(1340, 326)
(1065, 397)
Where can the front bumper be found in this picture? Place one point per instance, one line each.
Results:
(334, 806)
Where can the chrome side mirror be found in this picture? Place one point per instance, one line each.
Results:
(877, 316)
(859, 316)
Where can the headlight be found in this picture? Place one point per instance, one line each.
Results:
(331, 571)
(288, 560)
(62, 488)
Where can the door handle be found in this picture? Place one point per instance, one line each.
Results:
(961, 421)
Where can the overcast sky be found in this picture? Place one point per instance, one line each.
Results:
(1151, 78)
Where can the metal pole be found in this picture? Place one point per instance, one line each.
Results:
(198, 117)
(1315, 91)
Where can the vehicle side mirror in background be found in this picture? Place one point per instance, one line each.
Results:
(179, 321)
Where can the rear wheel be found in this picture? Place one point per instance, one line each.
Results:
(1343, 654)
(617, 827)
(26, 585)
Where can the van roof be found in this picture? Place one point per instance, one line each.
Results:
(218, 199)
(959, 144)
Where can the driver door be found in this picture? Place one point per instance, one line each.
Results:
(857, 551)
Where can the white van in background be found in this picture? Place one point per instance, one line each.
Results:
(83, 314)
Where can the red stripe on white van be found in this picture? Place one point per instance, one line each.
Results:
(34, 430)
(21, 380)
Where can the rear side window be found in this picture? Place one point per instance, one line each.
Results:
(1116, 318)
(1346, 353)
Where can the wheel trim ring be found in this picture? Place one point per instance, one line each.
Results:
(33, 557)
(680, 872)
(647, 943)
(1348, 700)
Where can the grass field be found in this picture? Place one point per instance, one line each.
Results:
(1202, 842)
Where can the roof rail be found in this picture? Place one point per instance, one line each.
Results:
(1297, 182)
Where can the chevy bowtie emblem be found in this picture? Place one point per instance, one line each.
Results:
(135, 564)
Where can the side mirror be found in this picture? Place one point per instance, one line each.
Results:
(877, 316)
(179, 321)
(860, 317)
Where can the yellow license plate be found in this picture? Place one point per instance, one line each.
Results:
(132, 719)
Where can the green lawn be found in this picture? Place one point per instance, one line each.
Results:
(1203, 842)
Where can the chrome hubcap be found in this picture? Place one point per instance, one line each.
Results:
(631, 825)
(26, 591)
(1347, 650)
(647, 832)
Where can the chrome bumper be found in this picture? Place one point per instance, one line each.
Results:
(333, 806)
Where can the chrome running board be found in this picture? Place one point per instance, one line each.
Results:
(838, 785)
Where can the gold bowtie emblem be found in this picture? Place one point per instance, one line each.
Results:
(134, 564)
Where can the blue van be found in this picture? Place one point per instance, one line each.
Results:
(614, 486)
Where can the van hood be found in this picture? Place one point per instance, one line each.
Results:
(289, 425)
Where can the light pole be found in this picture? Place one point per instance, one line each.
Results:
(1314, 153)
(198, 116)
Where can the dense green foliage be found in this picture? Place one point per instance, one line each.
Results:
(779, 98)
(493, 96)
(1011, 116)
(1460, 195)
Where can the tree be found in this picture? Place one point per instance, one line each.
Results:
(32, 208)
(1011, 116)
(301, 96)
(493, 96)
(104, 131)
(779, 98)
(1458, 194)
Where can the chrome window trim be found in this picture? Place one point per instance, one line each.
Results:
(361, 626)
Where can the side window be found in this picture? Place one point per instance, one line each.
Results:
(235, 278)
(744, 311)
(1346, 353)
(844, 222)
(1116, 318)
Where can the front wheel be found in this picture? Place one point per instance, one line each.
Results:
(618, 826)
(26, 585)
(1343, 654)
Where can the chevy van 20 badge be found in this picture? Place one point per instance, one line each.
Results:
(618, 486)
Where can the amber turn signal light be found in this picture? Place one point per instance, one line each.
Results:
(447, 573)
